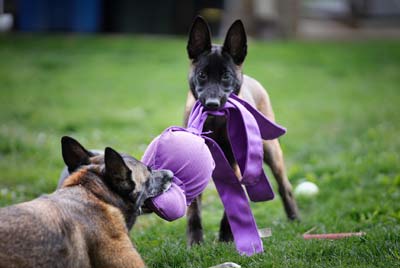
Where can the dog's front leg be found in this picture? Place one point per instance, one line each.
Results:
(116, 252)
(225, 232)
(194, 229)
(130, 259)
(273, 155)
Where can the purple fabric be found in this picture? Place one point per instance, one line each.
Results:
(187, 155)
(170, 205)
(237, 207)
(246, 128)
(184, 152)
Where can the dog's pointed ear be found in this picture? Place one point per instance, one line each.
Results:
(199, 38)
(74, 154)
(235, 43)
(117, 173)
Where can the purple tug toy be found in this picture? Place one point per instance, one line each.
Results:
(195, 158)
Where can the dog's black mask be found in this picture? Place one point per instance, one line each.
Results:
(216, 70)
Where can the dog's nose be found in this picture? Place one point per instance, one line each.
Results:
(213, 103)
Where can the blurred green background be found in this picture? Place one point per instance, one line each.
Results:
(340, 102)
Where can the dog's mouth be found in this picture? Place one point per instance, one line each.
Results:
(167, 186)
(213, 104)
(161, 181)
(167, 177)
(165, 183)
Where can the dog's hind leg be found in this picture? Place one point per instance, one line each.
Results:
(194, 230)
(273, 157)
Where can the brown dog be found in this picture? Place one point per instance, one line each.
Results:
(216, 72)
(86, 222)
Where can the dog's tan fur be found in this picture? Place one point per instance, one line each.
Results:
(73, 227)
(86, 222)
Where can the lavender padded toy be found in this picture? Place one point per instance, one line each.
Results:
(194, 158)
(188, 157)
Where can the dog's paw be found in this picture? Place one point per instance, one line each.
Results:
(227, 265)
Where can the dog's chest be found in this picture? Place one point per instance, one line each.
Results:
(217, 128)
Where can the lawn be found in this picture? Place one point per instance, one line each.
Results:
(340, 102)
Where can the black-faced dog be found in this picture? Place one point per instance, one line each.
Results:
(216, 72)
(86, 222)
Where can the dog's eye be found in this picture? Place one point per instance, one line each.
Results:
(202, 75)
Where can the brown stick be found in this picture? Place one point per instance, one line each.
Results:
(332, 236)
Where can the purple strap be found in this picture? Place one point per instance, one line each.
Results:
(237, 207)
(269, 130)
(246, 128)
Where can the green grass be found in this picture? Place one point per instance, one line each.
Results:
(339, 101)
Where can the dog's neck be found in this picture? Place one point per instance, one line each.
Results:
(90, 178)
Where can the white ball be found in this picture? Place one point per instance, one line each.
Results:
(306, 189)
